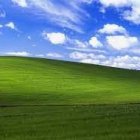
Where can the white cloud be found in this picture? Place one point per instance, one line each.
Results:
(29, 38)
(65, 14)
(86, 1)
(2, 13)
(80, 44)
(90, 61)
(133, 14)
(86, 56)
(11, 25)
(40, 55)
(90, 58)
(112, 29)
(1, 26)
(22, 3)
(54, 55)
(121, 61)
(89, 50)
(78, 55)
(95, 43)
(54, 38)
(18, 53)
(115, 3)
(125, 61)
(120, 42)
(77, 43)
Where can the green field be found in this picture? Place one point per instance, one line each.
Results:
(44, 99)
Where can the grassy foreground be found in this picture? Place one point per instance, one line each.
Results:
(53, 100)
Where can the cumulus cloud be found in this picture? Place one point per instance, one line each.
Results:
(54, 38)
(77, 44)
(22, 3)
(126, 61)
(54, 55)
(112, 29)
(18, 53)
(115, 3)
(11, 25)
(85, 56)
(78, 55)
(121, 61)
(40, 55)
(95, 43)
(133, 14)
(120, 42)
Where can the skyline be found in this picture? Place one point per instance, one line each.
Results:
(104, 32)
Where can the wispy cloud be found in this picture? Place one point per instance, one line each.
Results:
(24, 53)
(2, 13)
(65, 14)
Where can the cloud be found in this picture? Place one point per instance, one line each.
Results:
(85, 56)
(78, 55)
(76, 43)
(125, 61)
(54, 55)
(18, 53)
(22, 3)
(11, 25)
(1, 26)
(86, 1)
(115, 3)
(80, 44)
(69, 15)
(54, 38)
(91, 58)
(29, 37)
(112, 29)
(120, 42)
(2, 13)
(121, 61)
(133, 14)
(89, 50)
(40, 55)
(95, 43)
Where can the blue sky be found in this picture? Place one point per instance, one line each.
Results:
(104, 32)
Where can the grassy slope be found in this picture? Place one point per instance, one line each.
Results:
(31, 81)
(40, 82)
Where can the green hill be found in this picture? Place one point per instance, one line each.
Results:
(42, 81)
(46, 99)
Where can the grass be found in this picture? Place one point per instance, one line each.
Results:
(45, 99)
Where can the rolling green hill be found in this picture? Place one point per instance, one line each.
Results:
(41, 81)
(54, 100)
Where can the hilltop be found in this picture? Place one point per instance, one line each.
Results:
(42, 81)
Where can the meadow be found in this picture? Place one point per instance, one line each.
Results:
(45, 99)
